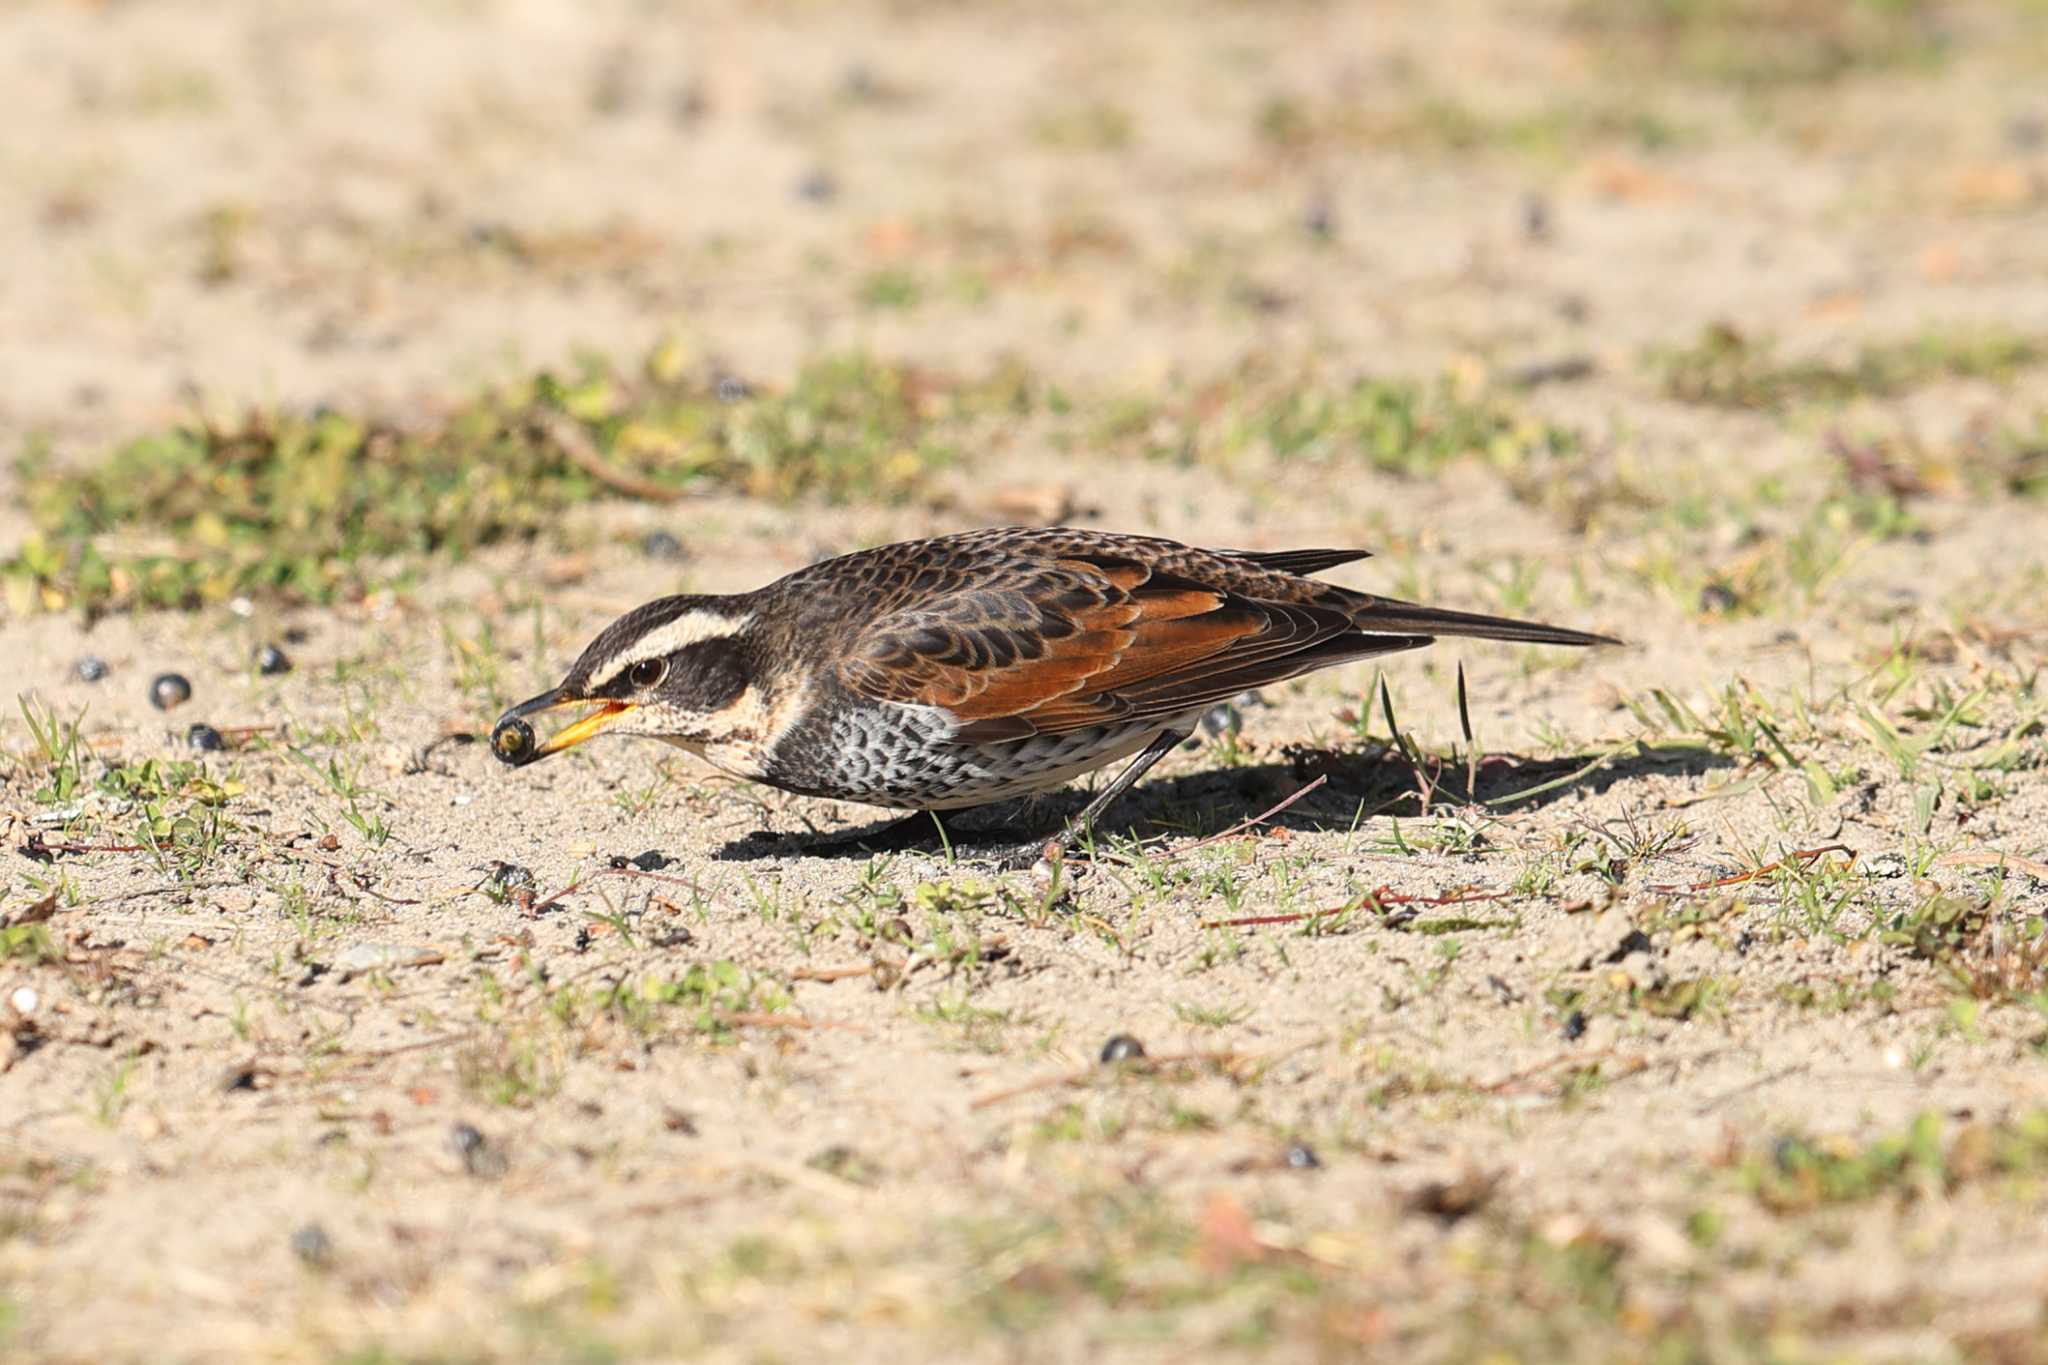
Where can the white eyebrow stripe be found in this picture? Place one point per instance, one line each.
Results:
(692, 627)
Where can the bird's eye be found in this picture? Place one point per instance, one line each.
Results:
(647, 672)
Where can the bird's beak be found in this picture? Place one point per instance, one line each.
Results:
(512, 736)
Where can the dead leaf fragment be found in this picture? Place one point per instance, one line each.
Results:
(35, 913)
(1034, 504)
(1226, 1238)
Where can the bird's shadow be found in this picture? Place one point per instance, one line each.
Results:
(1355, 784)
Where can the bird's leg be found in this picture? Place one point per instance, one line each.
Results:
(1162, 744)
(1028, 852)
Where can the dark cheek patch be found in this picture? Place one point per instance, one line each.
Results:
(710, 676)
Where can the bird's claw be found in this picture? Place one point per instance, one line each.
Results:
(1017, 857)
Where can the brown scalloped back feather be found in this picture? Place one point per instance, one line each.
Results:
(1023, 631)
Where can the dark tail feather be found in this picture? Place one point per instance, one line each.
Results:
(1379, 615)
(1302, 561)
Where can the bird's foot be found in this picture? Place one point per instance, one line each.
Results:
(1028, 853)
(1018, 857)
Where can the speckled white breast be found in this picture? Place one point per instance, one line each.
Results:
(907, 757)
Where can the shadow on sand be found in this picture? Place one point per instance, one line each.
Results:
(1358, 785)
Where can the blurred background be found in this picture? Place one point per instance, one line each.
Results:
(400, 344)
(1393, 236)
(371, 204)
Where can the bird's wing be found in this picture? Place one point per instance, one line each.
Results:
(1059, 644)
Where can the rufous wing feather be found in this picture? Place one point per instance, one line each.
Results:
(1086, 641)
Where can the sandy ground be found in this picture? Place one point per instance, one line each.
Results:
(332, 1088)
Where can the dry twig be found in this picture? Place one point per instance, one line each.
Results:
(1379, 900)
(1801, 859)
(574, 442)
(1243, 825)
(1993, 857)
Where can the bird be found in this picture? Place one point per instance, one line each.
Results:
(965, 669)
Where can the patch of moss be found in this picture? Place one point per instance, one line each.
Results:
(1440, 123)
(1401, 426)
(1762, 44)
(314, 506)
(1725, 369)
(1801, 1174)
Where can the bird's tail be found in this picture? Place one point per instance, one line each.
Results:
(1389, 616)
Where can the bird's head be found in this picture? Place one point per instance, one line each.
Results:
(676, 669)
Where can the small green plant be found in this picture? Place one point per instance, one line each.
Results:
(1211, 1016)
(1397, 425)
(1761, 45)
(110, 1096)
(1723, 368)
(344, 782)
(516, 1070)
(1086, 126)
(63, 752)
(890, 288)
(29, 943)
(710, 995)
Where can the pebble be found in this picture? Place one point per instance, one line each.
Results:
(1319, 219)
(511, 877)
(168, 691)
(653, 860)
(271, 661)
(205, 737)
(90, 668)
(858, 82)
(817, 187)
(311, 1244)
(661, 545)
(1122, 1048)
(1563, 370)
(479, 1157)
(509, 883)
(1302, 1157)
